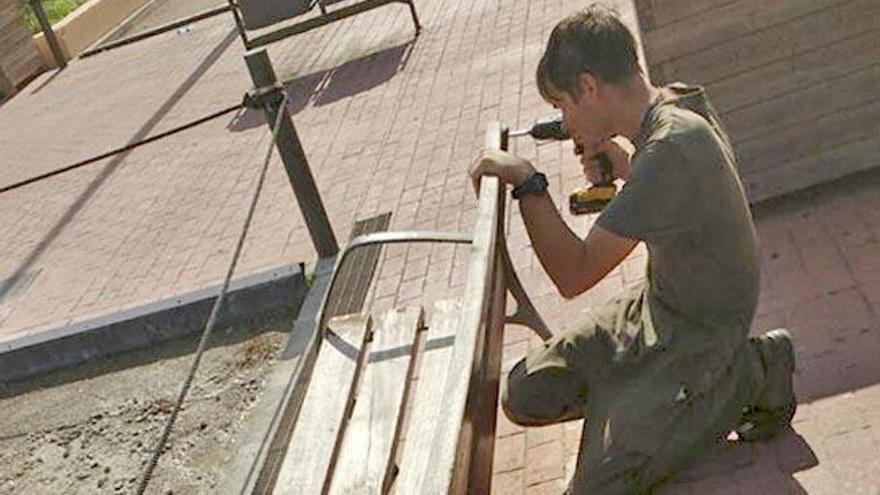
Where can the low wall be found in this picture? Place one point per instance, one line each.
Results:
(795, 81)
(86, 25)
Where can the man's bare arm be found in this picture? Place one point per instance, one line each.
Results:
(574, 265)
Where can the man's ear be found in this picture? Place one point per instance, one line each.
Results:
(588, 85)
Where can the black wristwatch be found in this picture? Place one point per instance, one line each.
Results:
(536, 184)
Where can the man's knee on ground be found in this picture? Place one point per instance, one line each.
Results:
(529, 400)
(513, 396)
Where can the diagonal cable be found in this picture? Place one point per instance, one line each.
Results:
(212, 319)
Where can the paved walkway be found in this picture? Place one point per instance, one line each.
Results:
(392, 125)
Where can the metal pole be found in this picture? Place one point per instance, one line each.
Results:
(292, 154)
(48, 33)
(239, 24)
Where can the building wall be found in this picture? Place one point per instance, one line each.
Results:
(19, 59)
(797, 82)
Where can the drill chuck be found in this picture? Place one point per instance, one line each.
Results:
(547, 128)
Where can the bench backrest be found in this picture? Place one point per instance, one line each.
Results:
(348, 432)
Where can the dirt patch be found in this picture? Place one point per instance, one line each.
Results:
(91, 429)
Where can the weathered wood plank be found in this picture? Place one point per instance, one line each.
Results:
(10, 23)
(22, 54)
(21, 71)
(801, 107)
(6, 87)
(11, 20)
(479, 427)
(366, 458)
(726, 23)
(814, 169)
(813, 137)
(427, 401)
(484, 396)
(19, 59)
(8, 10)
(782, 77)
(14, 35)
(658, 13)
(327, 404)
(759, 48)
(451, 451)
(13, 26)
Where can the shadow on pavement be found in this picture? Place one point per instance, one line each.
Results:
(48, 80)
(364, 74)
(328, 86)
(733, 468)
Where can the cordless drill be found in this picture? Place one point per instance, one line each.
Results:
(583, 199)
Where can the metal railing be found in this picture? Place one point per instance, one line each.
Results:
(46, 27)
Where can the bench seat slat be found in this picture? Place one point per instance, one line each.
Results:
(325, 407)
(366, 459)
(428, 396)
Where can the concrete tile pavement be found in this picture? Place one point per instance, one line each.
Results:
(390, 125)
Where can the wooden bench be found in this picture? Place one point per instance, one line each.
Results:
(394, 403)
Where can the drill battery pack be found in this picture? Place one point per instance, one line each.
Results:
(584, 200)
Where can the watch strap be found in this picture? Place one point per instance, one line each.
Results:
(536, 184)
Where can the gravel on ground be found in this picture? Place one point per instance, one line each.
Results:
(90, 429)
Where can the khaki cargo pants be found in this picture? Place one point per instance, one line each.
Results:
(643, 420)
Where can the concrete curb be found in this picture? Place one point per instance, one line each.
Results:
(276, 291)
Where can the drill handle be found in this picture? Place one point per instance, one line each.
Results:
(606, 169)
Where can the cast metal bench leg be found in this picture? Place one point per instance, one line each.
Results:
(525, 313)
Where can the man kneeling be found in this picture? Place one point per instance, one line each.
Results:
(666, 368)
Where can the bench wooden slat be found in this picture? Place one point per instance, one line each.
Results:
(368, 448)
(428, 397)
(327, 403)
(451, 451)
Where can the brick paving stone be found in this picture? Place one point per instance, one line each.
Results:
(544, 434)
(571, 436)
(553, 487)
(509, 453)
(544, 462)
(509, 483)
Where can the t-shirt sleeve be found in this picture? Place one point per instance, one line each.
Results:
(657, 202)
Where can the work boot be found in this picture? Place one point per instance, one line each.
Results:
(775, 406)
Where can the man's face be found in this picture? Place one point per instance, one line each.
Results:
(584, 115)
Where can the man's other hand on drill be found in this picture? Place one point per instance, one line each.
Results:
(509, 168)
(617, 153)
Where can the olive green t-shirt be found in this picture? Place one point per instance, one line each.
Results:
(684, 199)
